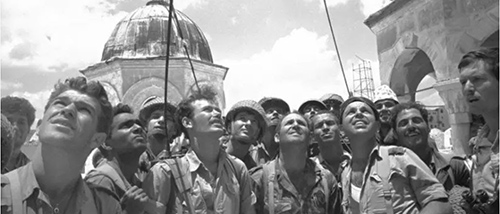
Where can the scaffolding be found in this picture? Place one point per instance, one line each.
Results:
(363, 79)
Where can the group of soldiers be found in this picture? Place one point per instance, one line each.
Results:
(329, 156)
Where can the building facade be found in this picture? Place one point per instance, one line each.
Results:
(132, 67)
(416, 38)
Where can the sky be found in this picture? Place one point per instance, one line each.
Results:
(280, 48)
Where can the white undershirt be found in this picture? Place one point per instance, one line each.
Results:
(355, 192)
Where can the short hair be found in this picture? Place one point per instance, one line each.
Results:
(406, 106)
(308, 121)
(325, 112)
(93, 89)
(13, 105)
(185, 108)
(488, 55)
(358, 99)
(120, 108)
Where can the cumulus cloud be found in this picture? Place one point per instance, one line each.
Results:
(298, 67)
(369, 7)
(181, 5)
(11, 85)
(38, 100)
(61, 35)
(329, 3)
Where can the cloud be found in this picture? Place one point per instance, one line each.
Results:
(38, 100)
(181, 5)
(329, 3)
(369, 7)
(60, 36)
(11, 85)
(298, 67)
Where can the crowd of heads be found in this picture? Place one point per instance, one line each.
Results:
(79, 117)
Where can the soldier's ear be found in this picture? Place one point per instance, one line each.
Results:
(98, 139)
(187, 123)
(277, 137)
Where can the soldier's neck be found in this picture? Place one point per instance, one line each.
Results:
(237, 148)
(293, 158)
(206, 147)
(56, 170)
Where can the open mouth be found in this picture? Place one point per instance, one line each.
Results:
(360, 122)
(471, 100)
(63, 122)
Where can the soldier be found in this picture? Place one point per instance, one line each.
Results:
(76, 120)
(206, 179)
(332, 102)
(412, 131)
(296, 183)
(311, 107)
(21, 115)
(396, 180)
(159, 134)
(326, 131)
(267, 149)
(385, 100)
(479, 80)
(246, 123)
(308, 109)
(121, 150)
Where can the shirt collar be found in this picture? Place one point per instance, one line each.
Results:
(29, 186)
(195, 162)
(438, 161)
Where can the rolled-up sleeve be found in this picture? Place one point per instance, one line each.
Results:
(158, 187)
(425, 185)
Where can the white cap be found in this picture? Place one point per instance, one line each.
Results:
(383, 93)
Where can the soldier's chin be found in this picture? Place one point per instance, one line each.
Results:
(158, 133)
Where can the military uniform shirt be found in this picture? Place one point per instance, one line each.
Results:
(34, 201)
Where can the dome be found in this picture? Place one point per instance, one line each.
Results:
(143, 33)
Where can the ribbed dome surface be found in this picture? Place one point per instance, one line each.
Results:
(143, 33)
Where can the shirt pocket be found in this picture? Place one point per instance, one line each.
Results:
(375, 194)
(228, 198)
(283, 205)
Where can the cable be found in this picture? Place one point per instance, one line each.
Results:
(186, 51)
(336, 48)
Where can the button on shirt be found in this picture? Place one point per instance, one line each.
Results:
(412, 184)
(321, 198)
(83, 200)
(229, 192)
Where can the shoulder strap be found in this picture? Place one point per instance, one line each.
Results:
(451, 175)
(326, 181)
(15, 191)
(268, 168)
(384, 172)
(89, 206)
(110, 172)
(182, 177)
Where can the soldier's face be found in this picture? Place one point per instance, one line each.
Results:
(411, 129)
(480, 88)
(359, 118)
